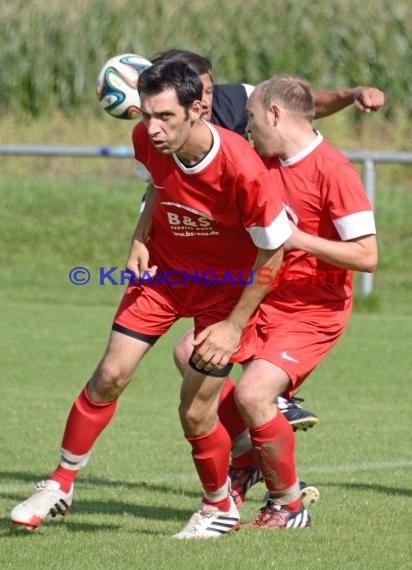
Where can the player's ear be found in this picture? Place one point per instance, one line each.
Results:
(195, 110)
(274, 114)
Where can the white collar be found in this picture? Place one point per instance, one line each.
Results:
(303, 153)
(202, 164)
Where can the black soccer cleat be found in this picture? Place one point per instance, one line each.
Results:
(298, 418)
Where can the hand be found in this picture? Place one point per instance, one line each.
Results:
(216, 344)
(138, 261)
(368, 99)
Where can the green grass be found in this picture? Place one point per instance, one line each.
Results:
(140, 486)
(49, 227)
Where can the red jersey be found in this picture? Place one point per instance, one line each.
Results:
(211, 216)
(323, 195)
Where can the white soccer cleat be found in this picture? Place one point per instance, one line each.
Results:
(48, 499)
(209, 522)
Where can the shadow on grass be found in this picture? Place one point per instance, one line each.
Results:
(143, 485)
(111, 507)
(99, 508)
(96, 482)
(12, 531)
(141, 511)
(7, 528)
(108, 506)
(119, 508)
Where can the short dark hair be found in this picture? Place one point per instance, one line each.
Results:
(197, 62)
(175, 75)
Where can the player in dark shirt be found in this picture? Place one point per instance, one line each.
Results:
(225, 104)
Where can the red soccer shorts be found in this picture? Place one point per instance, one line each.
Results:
(298, 340)
(150, 310)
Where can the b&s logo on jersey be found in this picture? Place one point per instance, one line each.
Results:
(187, 222)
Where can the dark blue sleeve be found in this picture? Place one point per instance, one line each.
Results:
(229, 107)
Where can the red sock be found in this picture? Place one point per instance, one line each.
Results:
(228, 412)
(234, 423)
(211, 453)
(86, 421)
(247, 459)
(274, 444)
(221, 505)
(295, 506)
(65, 477)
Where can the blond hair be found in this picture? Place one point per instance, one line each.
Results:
(292, 93)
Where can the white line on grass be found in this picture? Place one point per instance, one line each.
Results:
(350, 468)
(357, 467)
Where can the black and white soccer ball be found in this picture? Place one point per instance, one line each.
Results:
(116, 85)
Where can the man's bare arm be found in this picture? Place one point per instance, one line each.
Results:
(219, 341)
(365, 99)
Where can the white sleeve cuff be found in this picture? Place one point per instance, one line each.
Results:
(355, 225)
(273, 236)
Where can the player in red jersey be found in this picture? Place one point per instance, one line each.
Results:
(333, 233)
(216, 217)
(225, 105)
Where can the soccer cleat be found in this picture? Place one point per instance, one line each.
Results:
(242, 479)
(297, 417)
(48, 499)
(209, 522)
(309, 494)
(274, 516)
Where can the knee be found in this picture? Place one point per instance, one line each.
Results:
(249, 402)
(194, 422)
(244, 399)
(188, 417)
(182, 351)
(108, 381)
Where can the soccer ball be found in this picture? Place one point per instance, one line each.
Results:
(116, 86)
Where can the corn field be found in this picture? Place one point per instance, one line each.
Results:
(52, 50)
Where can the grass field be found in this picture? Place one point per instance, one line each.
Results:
(140, 486)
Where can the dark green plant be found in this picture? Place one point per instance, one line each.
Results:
(52, 50)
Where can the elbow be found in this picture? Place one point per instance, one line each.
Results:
(370, 255)
(370, 264)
